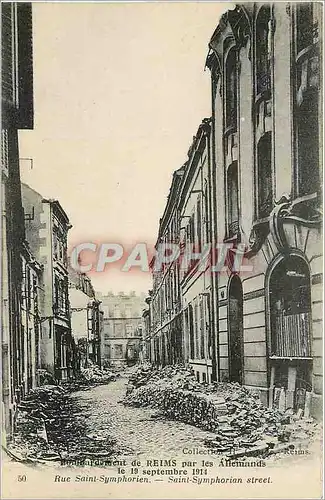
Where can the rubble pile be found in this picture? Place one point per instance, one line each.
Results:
(94, 374)
(45, 377)
(180, 375)
(243, 426)
(50, 426)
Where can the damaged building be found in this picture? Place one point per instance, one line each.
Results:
(253, 183)
(86, 319)
(122, 330)
(46, 232)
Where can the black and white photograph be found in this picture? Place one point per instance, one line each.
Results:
(161, 250)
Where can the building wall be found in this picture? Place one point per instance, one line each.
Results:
(31, 321)
(265, 196)
(196, 284)
(39, 238)
(292, 226)
(17, 113)
(122, 328)
(46, 233)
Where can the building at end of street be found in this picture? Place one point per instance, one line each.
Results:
(122, 328)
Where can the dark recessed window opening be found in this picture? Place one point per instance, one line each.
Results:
(231, 90)
(263, 50)
(232, 192)
(264, 175)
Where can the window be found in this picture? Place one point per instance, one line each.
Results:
(118, 350)
(191, 229)
(232, 192)
(231, 90)
(305, 25)
(9, 52)
(118, 330)
(307, 97)
(263, 113)
(202, 328)
(264, 175)
(199, 225)
(197, 329)
(206, 214)
(263, 50)
(129, 329)
(191, 330)
(61, 295)
(308, 146)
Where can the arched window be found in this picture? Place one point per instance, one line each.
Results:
(231, 90)
(290, 309)
(232, 194)
(263, 113)
(263, 50)
(264, 175)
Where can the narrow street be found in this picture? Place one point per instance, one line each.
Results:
(135, 432)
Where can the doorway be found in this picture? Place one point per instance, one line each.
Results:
(290, 358)
(235, 330)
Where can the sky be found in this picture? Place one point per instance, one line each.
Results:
(119, 92)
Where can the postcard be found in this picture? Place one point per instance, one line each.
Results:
(162, 250)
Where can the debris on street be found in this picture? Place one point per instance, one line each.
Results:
(243, 426)
(50, 427)
(94, 374)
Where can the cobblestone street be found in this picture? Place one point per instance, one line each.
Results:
(136, 433)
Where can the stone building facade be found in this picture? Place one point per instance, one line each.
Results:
(122, 330)
(167, 342)
(196, 280)
(46, 233)
(265, 321)
(265, 69)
